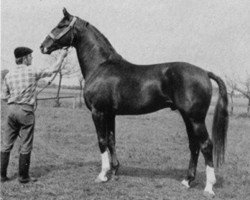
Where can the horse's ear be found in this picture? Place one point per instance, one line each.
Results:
(65, 12)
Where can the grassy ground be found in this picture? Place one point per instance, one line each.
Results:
(152, 149)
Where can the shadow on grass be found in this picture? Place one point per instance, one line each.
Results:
(177, 174)
(171, 173)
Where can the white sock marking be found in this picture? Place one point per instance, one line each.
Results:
(105, 161)
(211, 180)
(105, 166)
(185, 182)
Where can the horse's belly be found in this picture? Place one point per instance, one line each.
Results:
(135, 108)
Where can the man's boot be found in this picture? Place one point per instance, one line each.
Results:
(5, 157)
(24, 165)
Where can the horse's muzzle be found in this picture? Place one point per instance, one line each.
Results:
(43, 49)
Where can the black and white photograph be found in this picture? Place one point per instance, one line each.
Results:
(125, 100)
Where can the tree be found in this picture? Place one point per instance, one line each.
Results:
(235, 84)
(81, 83)
(231, 88)
(3, 74)
(245, 91)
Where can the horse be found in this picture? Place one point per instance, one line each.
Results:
(114, 86)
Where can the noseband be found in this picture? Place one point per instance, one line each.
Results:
(57, 37)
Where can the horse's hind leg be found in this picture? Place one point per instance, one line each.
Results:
(111, 144)
(207, 151)
(100, 121)
(194, 147)
(206, 147)
(199, 141)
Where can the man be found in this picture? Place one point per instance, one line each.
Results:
(19, 89)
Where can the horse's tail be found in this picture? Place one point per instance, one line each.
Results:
(220, 122)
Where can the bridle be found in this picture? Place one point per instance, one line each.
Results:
(66, 30)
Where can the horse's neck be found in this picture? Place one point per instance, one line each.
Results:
(92, 50)
(89, 59)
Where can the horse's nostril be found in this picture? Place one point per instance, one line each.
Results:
(42, 48)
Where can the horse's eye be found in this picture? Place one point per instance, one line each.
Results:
(61, 25)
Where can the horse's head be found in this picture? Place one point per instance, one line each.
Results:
(60, 36)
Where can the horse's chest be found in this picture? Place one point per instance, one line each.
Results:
(97, 94)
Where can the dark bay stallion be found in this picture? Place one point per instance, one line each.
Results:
(114, 86)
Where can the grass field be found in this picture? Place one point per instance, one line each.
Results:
(152, 149)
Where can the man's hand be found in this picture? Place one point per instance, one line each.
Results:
(60, 61)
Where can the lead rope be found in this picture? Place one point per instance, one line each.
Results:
(49, 82)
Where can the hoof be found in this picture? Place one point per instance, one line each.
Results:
(114, 169)
(101, 180)
(27, 180)
(209, 194)
(114, 178)
(113, 172)
(185, 183)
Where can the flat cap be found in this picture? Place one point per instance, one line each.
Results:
(22, 51)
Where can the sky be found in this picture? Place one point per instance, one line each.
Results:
(214, 35)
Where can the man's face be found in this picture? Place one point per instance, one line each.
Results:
(29, 59)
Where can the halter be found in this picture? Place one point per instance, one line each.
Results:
(54, 38)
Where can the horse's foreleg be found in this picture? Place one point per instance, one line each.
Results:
(101, 129)
(111, 144)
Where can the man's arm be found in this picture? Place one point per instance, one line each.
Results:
(55, 67)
